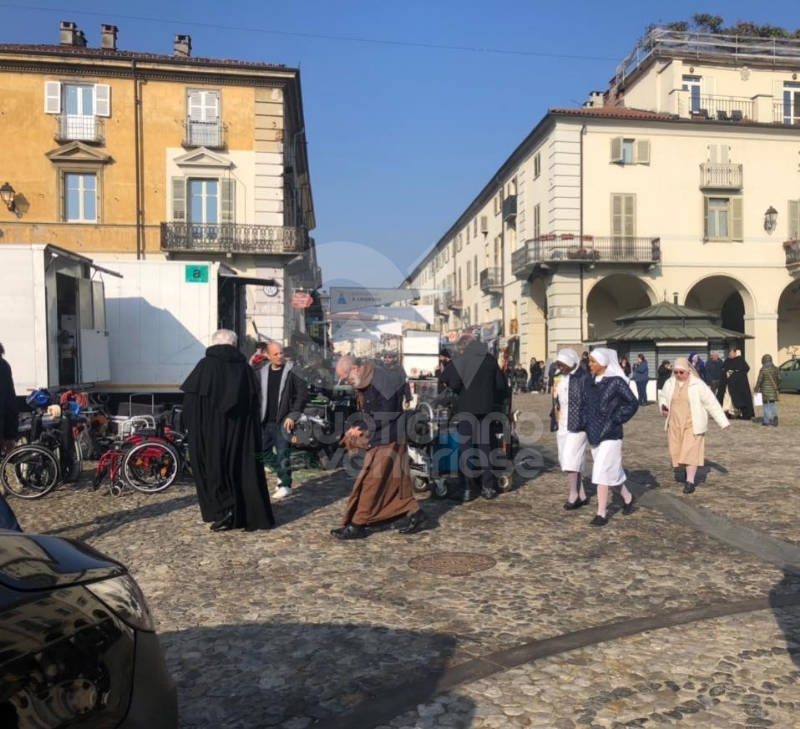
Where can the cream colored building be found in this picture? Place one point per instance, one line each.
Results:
(680, 183)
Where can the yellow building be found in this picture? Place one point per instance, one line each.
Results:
(112, 153)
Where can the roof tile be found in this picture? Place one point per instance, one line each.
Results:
(614, 112)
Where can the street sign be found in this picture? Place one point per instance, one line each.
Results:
(301, 300)
(196, 274)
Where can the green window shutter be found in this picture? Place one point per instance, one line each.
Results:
(179, 199)
(794, 219)
(228, 201)
(705, 218)
(737, 228)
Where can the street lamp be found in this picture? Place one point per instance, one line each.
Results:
(770, 219)
(8, 196)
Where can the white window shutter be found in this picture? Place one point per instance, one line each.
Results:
(196, 105)
(643, 151)
(713, 153)
(52, 97)
(616, 215)
(737, 227)
(629, 212)
(794, 219)
(228, 201)
(211, 106)
(102, 100)
(724, 155)
(616, 149)
(179, 199)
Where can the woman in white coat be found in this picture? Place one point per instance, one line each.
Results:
(686, 403)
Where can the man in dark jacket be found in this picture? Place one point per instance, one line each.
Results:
(220, 409)
(392, 365)
(482, 390)
(284, 394)
(714, 373)
(9, 428)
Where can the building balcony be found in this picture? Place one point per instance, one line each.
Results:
(510, 209)
(721, 176)
(453, 301)
(213, 135)
(792, 249)
(722, 108)
(491, 280)
(232, 238)
(589, 250)
(74, 128)
(440, 306)
(785, 113)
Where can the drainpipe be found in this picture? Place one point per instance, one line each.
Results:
(580, 223)
(137, 132)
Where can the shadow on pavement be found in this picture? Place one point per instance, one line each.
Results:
(788, 617)
(327, 675)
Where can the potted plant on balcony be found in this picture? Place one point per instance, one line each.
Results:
(547, 236)
(567, 236)
(587, 238)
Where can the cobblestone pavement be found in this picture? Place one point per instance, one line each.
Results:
(645, 622)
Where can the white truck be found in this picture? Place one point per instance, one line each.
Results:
(52, 318)
(161, 315)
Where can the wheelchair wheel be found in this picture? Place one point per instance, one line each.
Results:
(30, 472)
(504, 483)
(151, 466)
(420, 484)
(439, 488)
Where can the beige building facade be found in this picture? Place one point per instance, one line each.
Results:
(679, 183)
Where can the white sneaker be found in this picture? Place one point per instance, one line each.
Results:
(284, 492)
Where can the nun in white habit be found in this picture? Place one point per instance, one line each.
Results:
(608, 404)
(568, 418)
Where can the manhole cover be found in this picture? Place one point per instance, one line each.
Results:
(454, 564)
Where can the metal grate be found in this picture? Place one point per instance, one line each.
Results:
(452, 564)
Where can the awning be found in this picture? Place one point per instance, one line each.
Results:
(247, 280)
(58, 252)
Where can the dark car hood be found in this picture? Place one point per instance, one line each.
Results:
(38, 562)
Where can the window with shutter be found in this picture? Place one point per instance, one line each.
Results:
(642, 151)
(203, 123)
(179, 199)
(537, 165)
(228, 201)
(737, 224)
(469, 274)
(537, 221)
(794, 219)
(102, 100)
(52, 97)
(616, 149)
(475, 271)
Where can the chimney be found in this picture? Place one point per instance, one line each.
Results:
(675, 298)
(71, 36)
(108, 37)
(595, 100)
(183, 46)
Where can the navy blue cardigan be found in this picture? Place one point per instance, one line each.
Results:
(606, 406)
(575, 402)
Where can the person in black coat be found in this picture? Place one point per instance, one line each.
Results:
(482, 391)
(9, 427)
(220, 409)
(608, 403)
(738, 385)
(664, 373)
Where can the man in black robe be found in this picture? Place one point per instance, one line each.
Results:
(220, 410)
(738, 385)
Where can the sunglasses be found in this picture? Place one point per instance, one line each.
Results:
(680, 372)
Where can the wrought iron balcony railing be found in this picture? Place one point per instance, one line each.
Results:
(784, 112)
(721, 175)
(453, 301)
(510, 208)
(722, 108)
(792, 249)
(589, 250)
(491, 280)
(205, 134)
(231, 238)
(79, 128)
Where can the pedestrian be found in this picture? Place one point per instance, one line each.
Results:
(626, 366)
(482, 391)
(738, 386)
(769, 377)
(284, 395)
(664, 373)
(565, 419)
(382, 491)
(714, 374)
(392, 365)
(535, 383)
(608, 404)
(699, 366)
(444, 359)
(686, 402)
(585, 361)
(641, 376)
(9, 432)
(552, 371)
(220, 409)
(520, 378)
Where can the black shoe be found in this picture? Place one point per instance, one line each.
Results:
(599, 521)
(766, 424)
(489, 493)
(224, 524)
(688, 488)
(774, 423)
(628, 508)
(351, 531)
(465, 495)
(415, 522)
(571, 505)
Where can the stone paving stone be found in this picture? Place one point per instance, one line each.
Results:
(289, 627)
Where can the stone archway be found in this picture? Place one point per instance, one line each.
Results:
(789, 323)
(611, 297)
(724, 296)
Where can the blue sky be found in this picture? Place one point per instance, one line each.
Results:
(401, 137)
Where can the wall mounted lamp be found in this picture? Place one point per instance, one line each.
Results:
(770, 219)
(8, 196)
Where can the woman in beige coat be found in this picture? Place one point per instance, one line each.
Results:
(686, 402)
